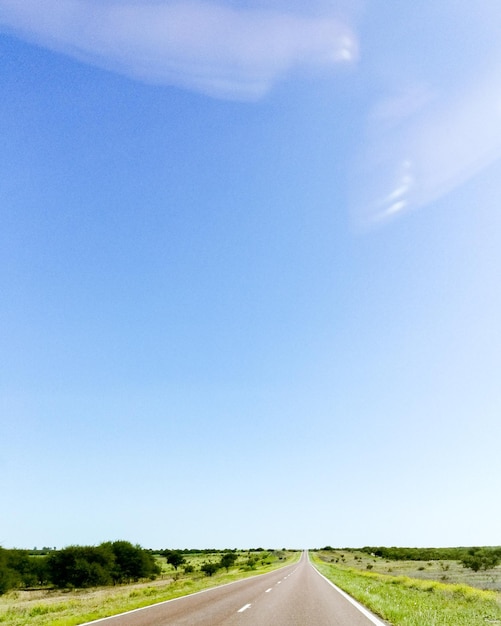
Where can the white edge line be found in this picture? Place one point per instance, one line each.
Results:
(357, 605)
(188, 595)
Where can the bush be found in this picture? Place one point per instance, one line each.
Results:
(81, 566)
(228, 559)
(108, 563)
(481, 558)
(174, 558)
(131, 562)
(8, 578)
(251, 562)
(209, 568)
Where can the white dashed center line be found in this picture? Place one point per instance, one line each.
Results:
(244, 608)
(268, 590)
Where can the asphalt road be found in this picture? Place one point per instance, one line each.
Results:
(295, 595)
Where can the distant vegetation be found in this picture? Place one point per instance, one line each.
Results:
(58, 600)
(415, 554)
(176, 558)
(481, 558)
(474, 558)
(420, 586)
(113, 563)
(110, 563)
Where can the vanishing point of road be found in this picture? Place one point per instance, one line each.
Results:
(295, 595)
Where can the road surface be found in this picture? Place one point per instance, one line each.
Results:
(295, 595)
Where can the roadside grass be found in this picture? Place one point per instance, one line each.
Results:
(70, 608)
(443, 571)
(405, 601)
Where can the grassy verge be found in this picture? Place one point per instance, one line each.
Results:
(70, 608)
(405, 601)
(444, 571)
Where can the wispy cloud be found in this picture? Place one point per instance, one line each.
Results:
(207, 47)
(426, 147)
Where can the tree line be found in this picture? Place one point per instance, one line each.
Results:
(474, 558)
(228, 558)
(110, 563)
(415, 554)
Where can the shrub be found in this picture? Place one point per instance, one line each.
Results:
(228, 559)
(481, 558)
(108, 563)
(209, 568)
(174, 558)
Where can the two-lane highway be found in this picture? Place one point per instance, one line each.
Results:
(295, 595)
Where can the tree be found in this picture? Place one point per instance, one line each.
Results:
(174, 558)
(481, 558)
(252, 562)
(131, 562)
(227, 560)
(81, 566)
(40, 571)
(108, 563)
(19, 562)
(8, 578)
(210, 568)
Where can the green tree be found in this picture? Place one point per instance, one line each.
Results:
(108, 563)
(81, 566)
(8, 578)
(227, 560)
(481, 558)
(28, 570)
(174, 558)
(252, 562)
(209, 568)
(131, 563)
(40, 571)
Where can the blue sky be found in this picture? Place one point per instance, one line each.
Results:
(249, 264)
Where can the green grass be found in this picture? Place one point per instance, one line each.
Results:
(70, 608)
(406, 601)
(441, 570)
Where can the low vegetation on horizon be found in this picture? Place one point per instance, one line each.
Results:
(474, 558)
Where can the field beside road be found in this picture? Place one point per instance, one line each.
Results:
(70, 608)
(415, 593)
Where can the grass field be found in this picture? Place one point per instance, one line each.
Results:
(443, 571)
(415, 593)
(69, 608)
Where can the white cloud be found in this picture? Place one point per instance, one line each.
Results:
(422, 153)
(211, 48)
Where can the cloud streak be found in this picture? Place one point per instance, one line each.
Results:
(214, 49)
(436, 147)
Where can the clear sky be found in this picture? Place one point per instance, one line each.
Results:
(250, 273)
